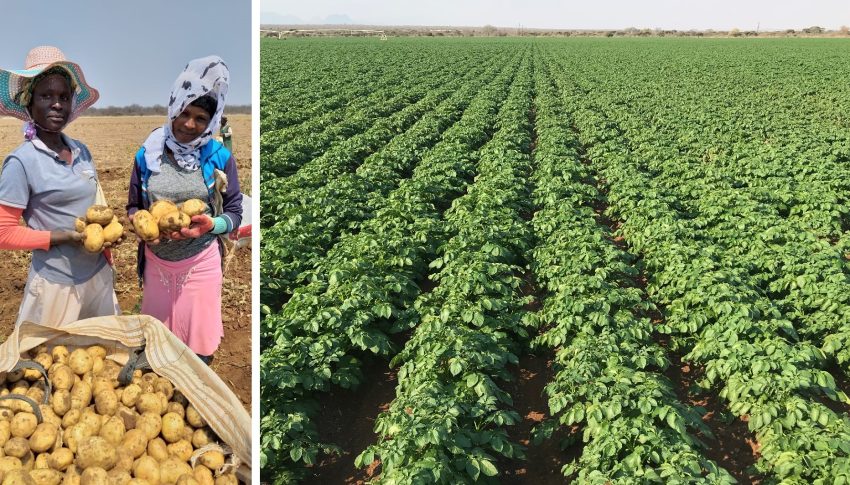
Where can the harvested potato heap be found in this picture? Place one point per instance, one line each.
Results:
(165, 217)
(95, 431)
(100, 225)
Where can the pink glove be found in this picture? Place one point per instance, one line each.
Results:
(201, 224)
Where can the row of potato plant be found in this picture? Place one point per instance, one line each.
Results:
(607, 367)
(448, 421)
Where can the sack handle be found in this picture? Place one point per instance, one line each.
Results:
(138, 360)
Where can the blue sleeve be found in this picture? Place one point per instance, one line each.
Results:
(14, 188)
(232, 199)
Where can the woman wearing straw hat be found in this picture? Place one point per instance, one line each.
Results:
(181, 273)
(50, 180)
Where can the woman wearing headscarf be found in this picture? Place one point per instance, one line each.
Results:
(181, 273)
(50, 180)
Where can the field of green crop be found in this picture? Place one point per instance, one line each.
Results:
(659, 224)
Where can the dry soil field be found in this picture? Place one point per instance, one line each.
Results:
(113, 141)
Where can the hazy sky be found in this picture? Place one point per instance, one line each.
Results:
(593, 14)
(132, 51)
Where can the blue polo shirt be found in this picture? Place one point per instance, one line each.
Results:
(53, 194)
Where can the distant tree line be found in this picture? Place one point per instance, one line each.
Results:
(155, 110)
(492, 31)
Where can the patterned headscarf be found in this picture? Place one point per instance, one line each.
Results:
(207, 76)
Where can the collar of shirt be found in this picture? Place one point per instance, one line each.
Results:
(75, 149)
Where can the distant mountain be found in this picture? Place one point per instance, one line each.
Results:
(274, 18)
(338, 19)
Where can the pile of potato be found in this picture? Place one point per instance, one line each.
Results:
(165, 216)
(100, 225)
(97, 432)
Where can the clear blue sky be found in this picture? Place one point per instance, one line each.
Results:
(566, 14)
(132, 51)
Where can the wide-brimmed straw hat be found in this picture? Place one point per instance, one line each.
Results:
(39, 60)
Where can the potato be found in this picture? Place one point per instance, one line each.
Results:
(91, 420)
(94, 476)
(135, 442)
(93, 238)
(227, 479)
(9, 463)
(175, 408)
(96, 452)
(145, 225)
(172, 469)
(23, 424)
(131, 395)
(113, 430)
(157, 449)
(46, 476)
(60, 459)
(193, 417)
(18, 477)
(139, 481)
(187, 480)
(106, 403)
(173, 221)
(203, 475)
(147, 469)
(79, 225)
(71, 418)
(212, 459)
(6, 415)
(80, 395)
(96, 366)
(194, 207)
(48, 416)
(63, 376)
(149, 402)
(60, 354)
(72, 476)
(113, 231)
(119, 477)
(188, 432)
(181, 450)
(202, 437)
(163, 403)
(41, 461)
(45, 360)
(100, 384)
(80, 361)
(162, 207)
(36, 393)
(75, 435)
(164, 387)
(96, 351)
(20, 387)
(5, 432)
(125, 460)
(14, 376)
(150, 423)
(61, 402)
(172, 427)
(99, 214)
(43, 438)
(17, 447)
(111, 369)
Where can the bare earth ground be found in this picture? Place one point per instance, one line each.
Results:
(113, 141)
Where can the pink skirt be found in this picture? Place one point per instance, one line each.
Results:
(186, 296)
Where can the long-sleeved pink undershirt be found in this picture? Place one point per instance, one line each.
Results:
(15, 236)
